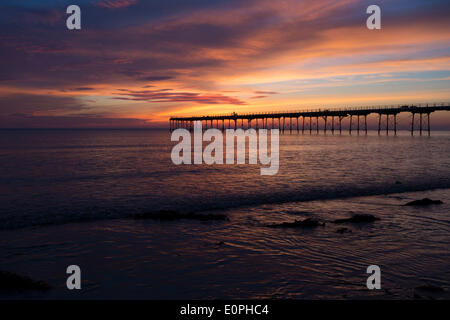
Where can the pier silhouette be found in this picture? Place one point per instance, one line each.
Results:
(331, 119)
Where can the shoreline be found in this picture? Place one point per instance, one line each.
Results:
(153, 244)
(243, 205)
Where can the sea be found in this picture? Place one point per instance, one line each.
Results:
(71, 197)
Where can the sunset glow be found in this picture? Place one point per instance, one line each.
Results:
(136, 63)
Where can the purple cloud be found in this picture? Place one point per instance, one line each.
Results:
(116, 4)
(164, 95)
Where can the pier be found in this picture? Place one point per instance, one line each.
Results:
(319, 119)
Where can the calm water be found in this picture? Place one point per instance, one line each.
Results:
(53, 179)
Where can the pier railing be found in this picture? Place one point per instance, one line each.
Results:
(324, 113)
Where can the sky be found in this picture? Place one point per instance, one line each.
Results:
(135, 63)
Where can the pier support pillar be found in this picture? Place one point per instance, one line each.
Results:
(332, 125)
(395, 124)
(379, 123)
(420, 125)
(387, 124)
(351, 123)
(303, 124)
(317, 125)
(365, 123)
(357, 127)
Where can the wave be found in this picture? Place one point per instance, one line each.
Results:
(125, 210)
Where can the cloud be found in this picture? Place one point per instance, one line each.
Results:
(116, 4)
(50, 17)
(210, 52)
(155, 78)
(258, 97)
(84, 121)
(266, 92)
(34, 104)
(82, 89)
(166, 95)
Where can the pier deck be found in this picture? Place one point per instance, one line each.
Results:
(284, 120)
